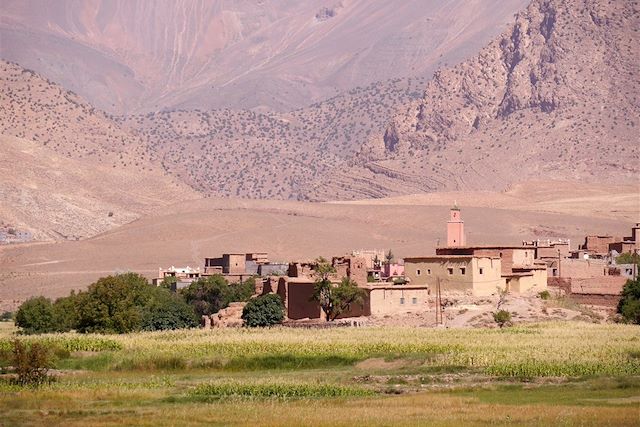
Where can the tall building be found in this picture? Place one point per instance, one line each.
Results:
(455, 228)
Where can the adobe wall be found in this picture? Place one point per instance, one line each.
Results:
(562, 283)
(390, 301)
(299, 304)
(582, 268)
(597, 299)
(608, 285)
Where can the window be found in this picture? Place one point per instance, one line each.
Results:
(450, 270)
(414, 300)
(401, 301)
(481, 270)
(417, 272)
(463, 270)
(428, 271)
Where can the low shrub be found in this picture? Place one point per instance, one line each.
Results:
(31, 363)
(276, 391)
(502, 317)
(545, 295)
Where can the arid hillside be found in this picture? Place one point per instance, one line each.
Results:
(557, 96)
(67, 171)
(128, 56)
(185, 233)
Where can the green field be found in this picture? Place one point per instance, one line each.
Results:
(539, 374)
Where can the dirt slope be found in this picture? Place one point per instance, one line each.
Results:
(184, 234)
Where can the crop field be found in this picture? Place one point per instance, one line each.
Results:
(560, 373)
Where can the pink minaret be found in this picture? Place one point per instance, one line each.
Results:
(455, 228)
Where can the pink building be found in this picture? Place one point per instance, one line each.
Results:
(393, 270)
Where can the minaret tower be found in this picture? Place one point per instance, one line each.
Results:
(455, 228)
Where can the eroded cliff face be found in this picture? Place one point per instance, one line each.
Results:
(556, 56)
(554, 96)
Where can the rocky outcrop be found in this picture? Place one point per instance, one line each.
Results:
(555, 96)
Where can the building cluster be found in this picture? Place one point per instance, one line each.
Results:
(417, 284)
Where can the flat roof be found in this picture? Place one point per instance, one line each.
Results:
(487, 247)
(445, 257)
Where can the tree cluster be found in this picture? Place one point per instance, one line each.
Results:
(127, 302)
(629, 305)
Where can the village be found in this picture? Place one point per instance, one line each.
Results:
(459, 278)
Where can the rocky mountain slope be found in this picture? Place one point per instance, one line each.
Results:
(557, 96)
(128, 56)
(68, 171)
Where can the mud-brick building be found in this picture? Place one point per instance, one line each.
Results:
(466, 274)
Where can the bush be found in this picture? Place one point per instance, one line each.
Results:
(502, 317)
(265, 310)
(6, 316)
(35, 316)
(31, 363)
(629, 305)
(544, 295)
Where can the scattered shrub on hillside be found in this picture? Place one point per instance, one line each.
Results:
(544, 295)
(265, 310)
(6, 316)
(502, 317)
(35, 316)
(629, 305)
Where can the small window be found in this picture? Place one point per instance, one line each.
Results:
(428, 271)
(450, 270)
(417, 272)
(414, 300)
(481, 270)
(401, 301)
(463, 271)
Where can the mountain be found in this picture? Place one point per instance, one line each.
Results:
(556, 96)
(128, 56)
(67, 170)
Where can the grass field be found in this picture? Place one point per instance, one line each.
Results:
(551, 373)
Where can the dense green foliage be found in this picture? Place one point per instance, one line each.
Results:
(35, 316)
(265, 310)
(114, 304)
(208, 295)
(629, 305)
(166, 310)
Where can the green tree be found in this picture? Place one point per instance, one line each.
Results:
(168, 282)
(628, 258)
(65, 313)
(113, 304)
(629, 305)
(167, 310)
(207, 295)
(265, 310)
(389, 257)
(35, 316)
(337, 299)
(240, 292)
